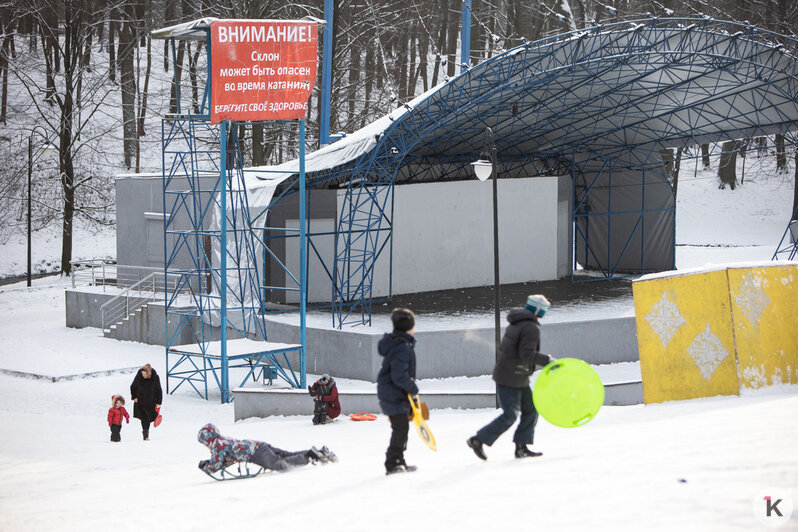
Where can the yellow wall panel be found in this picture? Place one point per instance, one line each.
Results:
(685, 336)
(764, 304)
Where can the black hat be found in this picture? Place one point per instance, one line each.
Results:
(403, 319)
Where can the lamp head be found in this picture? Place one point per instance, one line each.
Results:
(483, 168)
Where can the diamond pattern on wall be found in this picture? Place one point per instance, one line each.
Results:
(752, 299)
(665, 319)
(707, 351)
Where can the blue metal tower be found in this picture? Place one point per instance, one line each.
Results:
(214, 250)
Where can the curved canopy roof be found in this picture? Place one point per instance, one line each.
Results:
(623, 91)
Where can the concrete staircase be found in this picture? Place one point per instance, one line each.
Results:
(133, 327)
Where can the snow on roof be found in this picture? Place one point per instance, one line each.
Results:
(196, 29)
(716, 267)
(338, 153)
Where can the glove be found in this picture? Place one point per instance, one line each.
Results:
(203, 463)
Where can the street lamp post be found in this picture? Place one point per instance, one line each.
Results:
(483, 169)
(46, 151)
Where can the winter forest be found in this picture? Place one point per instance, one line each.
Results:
(86, 79)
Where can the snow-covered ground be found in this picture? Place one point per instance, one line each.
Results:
(690, 465)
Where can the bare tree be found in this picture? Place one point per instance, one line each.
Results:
(72, 95)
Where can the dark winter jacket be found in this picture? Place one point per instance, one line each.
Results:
(329, 394)
(115, 415)
(396, 377)
(519, 351)
(148, 394)
(224, 451)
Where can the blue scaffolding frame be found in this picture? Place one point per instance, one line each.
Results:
(619, 93)
(220, 306)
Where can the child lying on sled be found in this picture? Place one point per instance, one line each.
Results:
(228, 451)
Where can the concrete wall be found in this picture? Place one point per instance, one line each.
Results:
(467, 352)
(353, 353)
(261, 402)
(140, 219)
(443, 234)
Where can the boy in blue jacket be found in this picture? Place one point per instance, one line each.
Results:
(394, 381)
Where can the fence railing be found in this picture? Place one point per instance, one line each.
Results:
(95, 272)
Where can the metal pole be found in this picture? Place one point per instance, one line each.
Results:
(496, 284)
(225, 386)
(303, 269)
(30, 171)
(326, 74)
(465, 37)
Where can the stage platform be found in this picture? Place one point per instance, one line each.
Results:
(191, 363)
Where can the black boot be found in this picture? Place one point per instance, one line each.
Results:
(145, 434)
(522, 451)
(400, 468)
(476, 446)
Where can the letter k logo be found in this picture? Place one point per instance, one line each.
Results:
(772, 506)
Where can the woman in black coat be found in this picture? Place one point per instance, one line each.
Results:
(147, 396)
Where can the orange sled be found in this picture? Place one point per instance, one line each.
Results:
(362, 416)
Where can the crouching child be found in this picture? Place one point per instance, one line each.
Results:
(325, 400)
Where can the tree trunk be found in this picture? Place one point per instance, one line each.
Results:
(451, 42)
(781, 153)
(4, 56)
(727, 168)
(672, 165)
(444, 9)
(112, 49)
(127, 79)
(257, 144)
(65, 133)
(181, 46)
(354, 82)
(50, 68)
(705, 155)
(677, 165)
(371, 73)
(193, 59)
(145, 90)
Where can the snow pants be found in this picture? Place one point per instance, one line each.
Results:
(395, 455)
(512, 401)
(116, 431)
(276, 459)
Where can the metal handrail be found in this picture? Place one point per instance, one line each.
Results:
(95, 272)
(132, 298)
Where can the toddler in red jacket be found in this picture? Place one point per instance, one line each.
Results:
(115, 415)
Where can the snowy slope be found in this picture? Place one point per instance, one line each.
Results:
(690, 465)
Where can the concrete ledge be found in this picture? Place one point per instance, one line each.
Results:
(265, 402)
(91, 375)
(623, 394)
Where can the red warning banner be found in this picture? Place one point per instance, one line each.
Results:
(262, 69)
